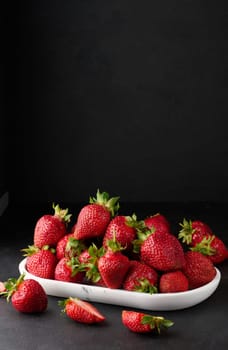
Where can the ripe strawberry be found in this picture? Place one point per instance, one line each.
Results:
(94, 217)
(199, 235)
(50, 228)
(192, 232)
(140, 278)
(81, 311)
(157, 222)
(140, 322)
(113, 265)
(198, 269)
(163, 252)
(27, 296)
(172, 282)
(40, 262)
(89, 261)
(69, 270)
(123, 228)
(68, 246)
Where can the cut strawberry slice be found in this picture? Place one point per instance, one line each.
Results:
(81, 311)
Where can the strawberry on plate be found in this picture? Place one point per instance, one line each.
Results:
(69, 270)
(157, 222)
(198, 269)
(40, 262)
(68, 246)
(27, 296)
(50, 228)
(173, 282)
(140, 322)
(162, 251)
(113, 265)
(81, 311)
(141, 278)
(199, 236)
(193, 232)
(94, 217)
(123, 228)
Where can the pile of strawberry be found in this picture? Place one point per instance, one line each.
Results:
(117, 251)
(107, 249)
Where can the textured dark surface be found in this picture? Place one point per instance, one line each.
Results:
(201, 326)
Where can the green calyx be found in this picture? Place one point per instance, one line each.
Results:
(156, 322)
(143, 233)
(103, 198)
(144, 286)
(32, 249)
(74, 247)
(64, 302)
(11, 286)
(62, 214)
(204, 246)
(75, 266)
(91, 268)
(186, 232)
(114, 245)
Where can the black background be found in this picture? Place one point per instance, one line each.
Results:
(126, 96)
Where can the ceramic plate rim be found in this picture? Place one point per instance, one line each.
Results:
(159, 301)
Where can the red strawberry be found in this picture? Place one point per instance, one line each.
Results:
(157, 222)
(140, 278)
(192, 232)
(81, 311)
(199, 235)
(198, 269)
(69, 270)
(89, 261)
(140, 322)
(50, 228)
(123, 228)
(172, 282)
(113, 265)
(40, 262)
(26, 296)
(68, 246)
(94, 217)
(162, 252)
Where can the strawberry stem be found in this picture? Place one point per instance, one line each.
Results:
(62, 214)
(102, 198)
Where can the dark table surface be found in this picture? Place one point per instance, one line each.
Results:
(201, 326)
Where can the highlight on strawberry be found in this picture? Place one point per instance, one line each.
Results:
(81, 311)
(26, 295)
(139, 322)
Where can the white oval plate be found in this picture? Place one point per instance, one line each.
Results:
(157, 302)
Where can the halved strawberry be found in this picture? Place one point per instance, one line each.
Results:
(140, 322)
(81, 311)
